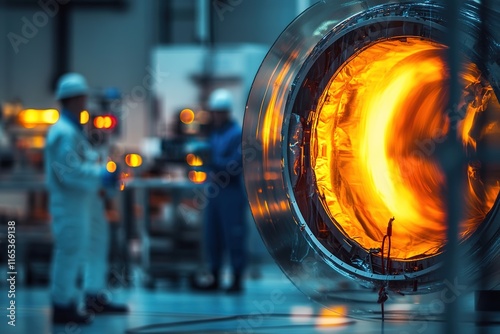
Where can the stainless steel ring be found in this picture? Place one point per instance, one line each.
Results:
(288, 86)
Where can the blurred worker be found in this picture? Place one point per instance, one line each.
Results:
(96, 264)
(225, 223)
(74, 179)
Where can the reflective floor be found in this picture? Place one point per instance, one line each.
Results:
(270, 304)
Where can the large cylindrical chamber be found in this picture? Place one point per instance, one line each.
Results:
(343, 130)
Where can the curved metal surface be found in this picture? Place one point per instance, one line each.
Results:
(269, 129)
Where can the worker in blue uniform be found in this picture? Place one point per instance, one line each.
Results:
(225, 224)
(74, 178)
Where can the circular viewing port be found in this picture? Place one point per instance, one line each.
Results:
(375, 146)
(344, 129)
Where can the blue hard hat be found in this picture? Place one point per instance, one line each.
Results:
(220, 100)
(71, 85)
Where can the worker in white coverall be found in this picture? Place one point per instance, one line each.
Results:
(75, 179)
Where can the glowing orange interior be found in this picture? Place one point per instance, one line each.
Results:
(378, 125)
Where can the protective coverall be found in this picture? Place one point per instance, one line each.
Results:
(74, 178)
(225, 225)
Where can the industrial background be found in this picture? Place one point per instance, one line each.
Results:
(151, 66)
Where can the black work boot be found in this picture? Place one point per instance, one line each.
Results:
(237, 285)
(100, 304)
(64, 314)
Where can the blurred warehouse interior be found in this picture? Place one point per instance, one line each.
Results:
(150, 66)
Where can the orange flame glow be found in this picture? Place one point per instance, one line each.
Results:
(197, 176)
(194, 160)
(379, 124)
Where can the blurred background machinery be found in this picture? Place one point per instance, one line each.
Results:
(146, 116)
(22, 187)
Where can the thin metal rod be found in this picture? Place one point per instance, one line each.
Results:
(453, 163)
(484, 272)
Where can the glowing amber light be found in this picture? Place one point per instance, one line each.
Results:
(133, 160)
(30, 118)
(374, 148)
(333, 316)
(50, 116)
(38, 142)
(187, 116)
(111, 166)
(193, 160)
(197, 177)
(106, 122)
(84, 117)
(99, 122)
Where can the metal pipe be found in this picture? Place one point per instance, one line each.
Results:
(484, 271)
(203, 21)
(453, 163)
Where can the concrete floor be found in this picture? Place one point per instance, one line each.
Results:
(268, 305)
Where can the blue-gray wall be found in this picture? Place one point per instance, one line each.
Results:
(113, 48)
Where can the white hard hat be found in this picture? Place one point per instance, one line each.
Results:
(71, 85)
(220, 100)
